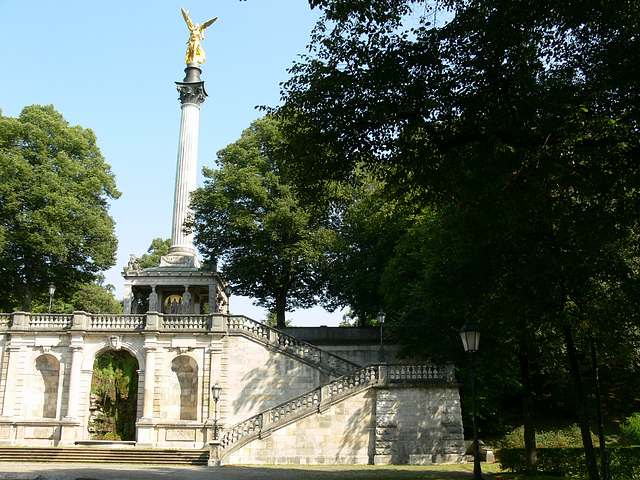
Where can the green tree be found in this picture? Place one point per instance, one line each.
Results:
(95, 297)
(54, 193)
(156, 250)
(368, 225)
(505, 119)
(250, 217)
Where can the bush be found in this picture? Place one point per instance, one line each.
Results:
(565, 438)
(569, 462)
(631, 428)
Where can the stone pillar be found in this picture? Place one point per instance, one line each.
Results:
(126, 308)
(150, 346)
(145, 424)
(213, 297)
(76, 344)
(70, 421)
(215, 369)
(14, 348)
(192, 94)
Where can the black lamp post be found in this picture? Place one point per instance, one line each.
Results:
(382, 354)
(215, 393)
(470, 335)
(52, 290)
(227, 292)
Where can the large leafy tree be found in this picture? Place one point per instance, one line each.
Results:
(508, 119)
(54, 192)
(249, 216)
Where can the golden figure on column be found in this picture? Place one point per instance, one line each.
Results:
(195, 53)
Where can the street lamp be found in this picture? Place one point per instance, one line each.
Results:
(215, 393)
(227, 292)
(52, 290)
(470, 335)
(382, 356)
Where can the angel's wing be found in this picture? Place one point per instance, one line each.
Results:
(186, 18)
(207, 23)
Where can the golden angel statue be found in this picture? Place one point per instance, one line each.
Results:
(195, 53)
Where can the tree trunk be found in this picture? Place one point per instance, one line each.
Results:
(604, 453)
(583, 418)
(531, 453)
(28, 295)
(281, 304)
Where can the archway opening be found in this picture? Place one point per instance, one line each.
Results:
(114, 394)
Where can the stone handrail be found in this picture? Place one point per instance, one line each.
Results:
(421, 373)
(117, 322)
(290, 344)
(185, 322)
(318, 399)
(48, 320)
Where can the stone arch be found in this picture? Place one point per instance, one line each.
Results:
(93, 350)
(42, 401)
(183, 403)
(113, 402)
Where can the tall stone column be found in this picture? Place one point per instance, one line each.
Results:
(192, 94)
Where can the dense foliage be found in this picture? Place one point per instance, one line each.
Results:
(506, 121)
(114, 388)
(54, 221)
(569, 462)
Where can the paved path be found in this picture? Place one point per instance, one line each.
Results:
(101, 471)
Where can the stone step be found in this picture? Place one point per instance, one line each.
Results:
(104, 455)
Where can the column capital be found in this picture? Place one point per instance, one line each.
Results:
(191, 93)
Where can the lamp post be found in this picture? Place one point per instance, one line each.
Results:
(215, 393)
(470, 335)
(382, 356)
(227, 292)
(52, 290)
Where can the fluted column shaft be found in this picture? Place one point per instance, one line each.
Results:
(192, 94)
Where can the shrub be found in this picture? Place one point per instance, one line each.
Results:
(569, 462)
(631, 428)
(565, 438)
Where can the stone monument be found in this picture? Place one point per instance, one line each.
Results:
(180, 274)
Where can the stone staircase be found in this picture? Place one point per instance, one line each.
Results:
(321, 398)
(104, 455)
(274, 339)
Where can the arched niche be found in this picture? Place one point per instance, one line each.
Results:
(183, 402)
(42, 401)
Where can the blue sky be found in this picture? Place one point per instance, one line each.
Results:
(111, 66)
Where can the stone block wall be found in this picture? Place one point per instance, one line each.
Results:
(342, 434)
(418, 425)
(388, 425)
(257, 378)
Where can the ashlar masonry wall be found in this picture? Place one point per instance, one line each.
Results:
(380, 425)
(256, 378)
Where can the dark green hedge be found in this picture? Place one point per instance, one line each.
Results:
(569, 462)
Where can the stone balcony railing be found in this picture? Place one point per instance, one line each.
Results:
(163, 323)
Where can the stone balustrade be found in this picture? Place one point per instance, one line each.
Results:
(117, 322)
(321, 398)
(290, 344)
(121, 323)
